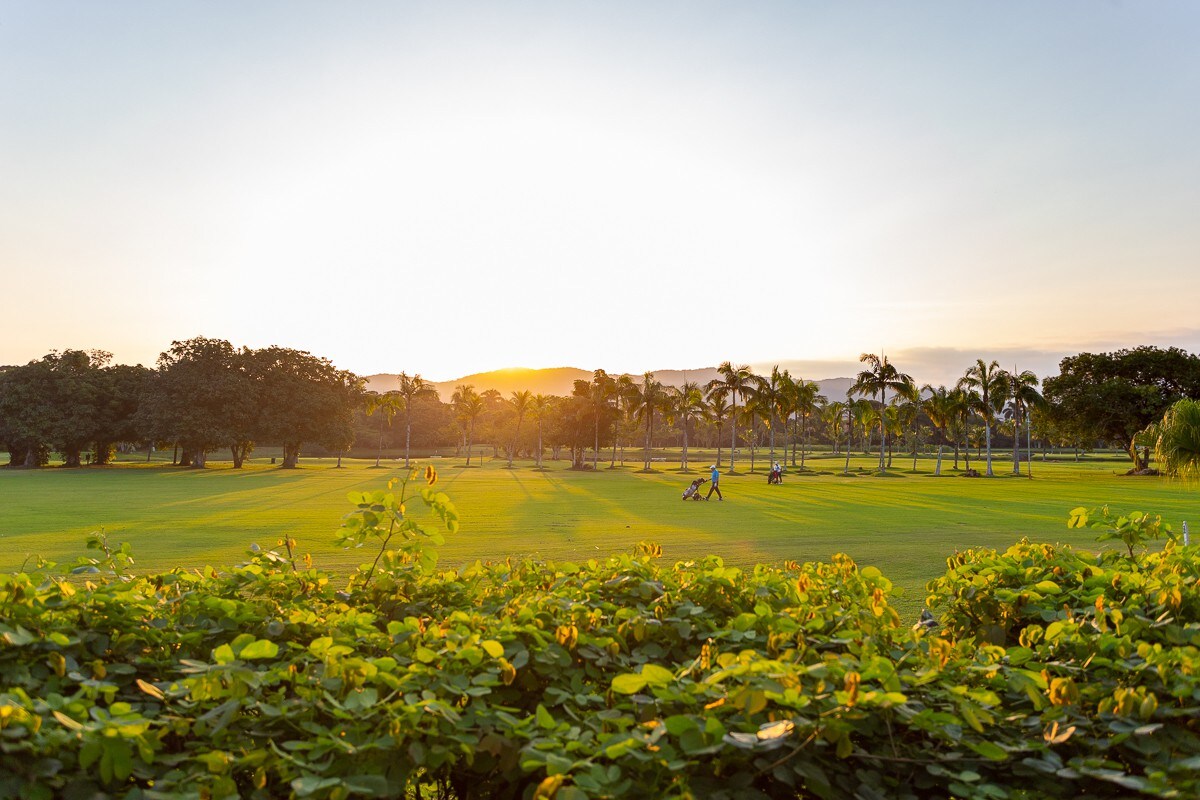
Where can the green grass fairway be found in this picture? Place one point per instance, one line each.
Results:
(905, 524)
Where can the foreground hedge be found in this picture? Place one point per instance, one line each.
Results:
(1053, 673)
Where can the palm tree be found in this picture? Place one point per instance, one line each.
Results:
(965, 403)
(908, 411)
(540, 406)
(807, 400)
(773, 398)
(991, 384)
(940, 409)
(520, 402)
(831, 415)
(624, 393)
(410, 388)
(685, 404)
(864, 415)
(387, 404)
(880, 376)
(851, 413)
(468, 405)
(1024, 397)
(650, 399)
(736, 382)
(718, 411)
(600, 392)
(1177, 446)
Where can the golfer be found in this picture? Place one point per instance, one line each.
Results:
(716, 479)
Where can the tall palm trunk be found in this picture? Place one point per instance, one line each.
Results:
(937, 470)
(732, 432)
(1028, 447)
(470, 439)
(882, 426)
(849, 434)
(649, 429)
(1017, 443)
(987, 432)
(539, 454)
(684, 463)
(803, 441)
(407, 436)
(379, 452)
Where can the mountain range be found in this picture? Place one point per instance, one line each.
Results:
(561, 380)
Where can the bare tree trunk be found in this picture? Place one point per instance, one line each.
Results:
(937, 471)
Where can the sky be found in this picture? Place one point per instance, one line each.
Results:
(447, 188)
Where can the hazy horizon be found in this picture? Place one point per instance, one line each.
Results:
(457, 187)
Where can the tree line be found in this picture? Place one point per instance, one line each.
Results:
(1107, 399)
(206, 395)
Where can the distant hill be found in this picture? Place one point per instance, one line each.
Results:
(561, 380)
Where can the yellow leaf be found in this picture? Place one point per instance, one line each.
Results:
(150, 689)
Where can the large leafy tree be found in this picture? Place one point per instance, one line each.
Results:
(879, 376)
(990, 385)
(27, 412)
(202, 397)
(736, 383)
(304, 399)
(121, 390)
(68, 401)
(1114, 396)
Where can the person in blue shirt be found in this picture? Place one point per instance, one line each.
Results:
(716, 480)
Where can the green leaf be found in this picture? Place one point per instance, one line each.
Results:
(545, 719)
(656, 675)
(368, 785)
(224, 655)
(492, 648)
(988, 750)
(629, 683)
(262, 648)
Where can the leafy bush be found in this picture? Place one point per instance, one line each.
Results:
(622, 677)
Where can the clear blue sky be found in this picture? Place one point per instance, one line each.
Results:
(450, 187)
